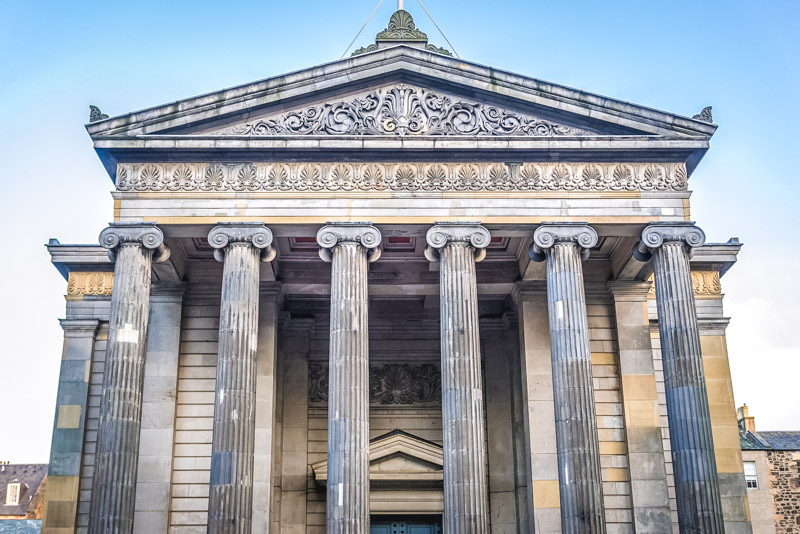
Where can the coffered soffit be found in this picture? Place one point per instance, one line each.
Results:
(398, 92)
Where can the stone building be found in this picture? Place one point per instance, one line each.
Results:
(772, 475)
(22, 490)
(401, 288)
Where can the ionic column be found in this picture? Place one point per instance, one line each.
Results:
(241, 246)
(133, 247)
(695, 468)
(349, 247)
(458, 247)
(564, 247)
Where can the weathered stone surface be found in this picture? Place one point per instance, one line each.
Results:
(349, 248)
(159, 401)
(649, 489)
(458, 246)
(241, 247)
(784, 467)
(696, 480)
(580, 481)
(134, 247)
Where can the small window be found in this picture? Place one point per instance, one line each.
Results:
(12, 494)
(750, 475)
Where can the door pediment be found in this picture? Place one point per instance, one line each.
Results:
(398, 459)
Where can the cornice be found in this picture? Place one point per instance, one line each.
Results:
(396, 59)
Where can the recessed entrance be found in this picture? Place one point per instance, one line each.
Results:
(405, 524)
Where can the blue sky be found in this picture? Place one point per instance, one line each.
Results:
(56, 58)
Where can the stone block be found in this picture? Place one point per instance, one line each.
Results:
(69, 416)
(650, 493)
(734, 508)
(64, 464)
(152, 497)
(154, 469)
(547, 520)
(544, 466)
(155, 442)
(67, 440)
(150, 522)
(546, 494)
(644, 439)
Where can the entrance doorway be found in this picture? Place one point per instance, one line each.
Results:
(382, 524)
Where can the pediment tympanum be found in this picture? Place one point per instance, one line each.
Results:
(398, 458)
(402, 109)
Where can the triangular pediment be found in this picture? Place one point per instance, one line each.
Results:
(402, 109)
(399, 91)
(397, 458)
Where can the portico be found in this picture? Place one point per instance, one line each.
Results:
(401, 284)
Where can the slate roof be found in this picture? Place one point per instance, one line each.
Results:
(30, 475)
(749, 442)
(775, 441)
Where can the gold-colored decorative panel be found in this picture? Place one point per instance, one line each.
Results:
(703, 283)
(90, 283)
(706, 283)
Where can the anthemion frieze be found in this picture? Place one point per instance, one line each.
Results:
(401, 177)
(402, 110)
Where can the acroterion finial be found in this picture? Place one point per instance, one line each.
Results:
(399, 5)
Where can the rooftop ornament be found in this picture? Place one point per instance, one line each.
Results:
(96, 115)
(401, 30)
(705, 115)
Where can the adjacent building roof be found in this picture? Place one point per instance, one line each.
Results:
(31, 476)
(775, 441)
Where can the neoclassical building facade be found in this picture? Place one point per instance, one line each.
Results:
(400, 292)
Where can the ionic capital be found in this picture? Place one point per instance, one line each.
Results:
(146, 235)
(548, 234)
(362, 233)
(442, 234)
(254, 234)
(656, 234)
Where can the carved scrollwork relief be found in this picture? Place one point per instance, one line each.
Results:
(388, 384)
(403, 110)
(303, 177)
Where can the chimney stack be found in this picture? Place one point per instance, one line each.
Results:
(747, 423)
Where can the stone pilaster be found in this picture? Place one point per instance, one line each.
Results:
(159, 404)
(564, 246)
(266, 405)
(69, 428)
(458, 246)
(649, 493)
(536, 376)
(696, 479)
(241, 246)
(133, 247)
(349, 247)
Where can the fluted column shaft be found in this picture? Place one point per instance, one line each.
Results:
(230, 507)
(692, 444)
(348, 378)
(580, 479)
(466, 508)
(116, 460)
